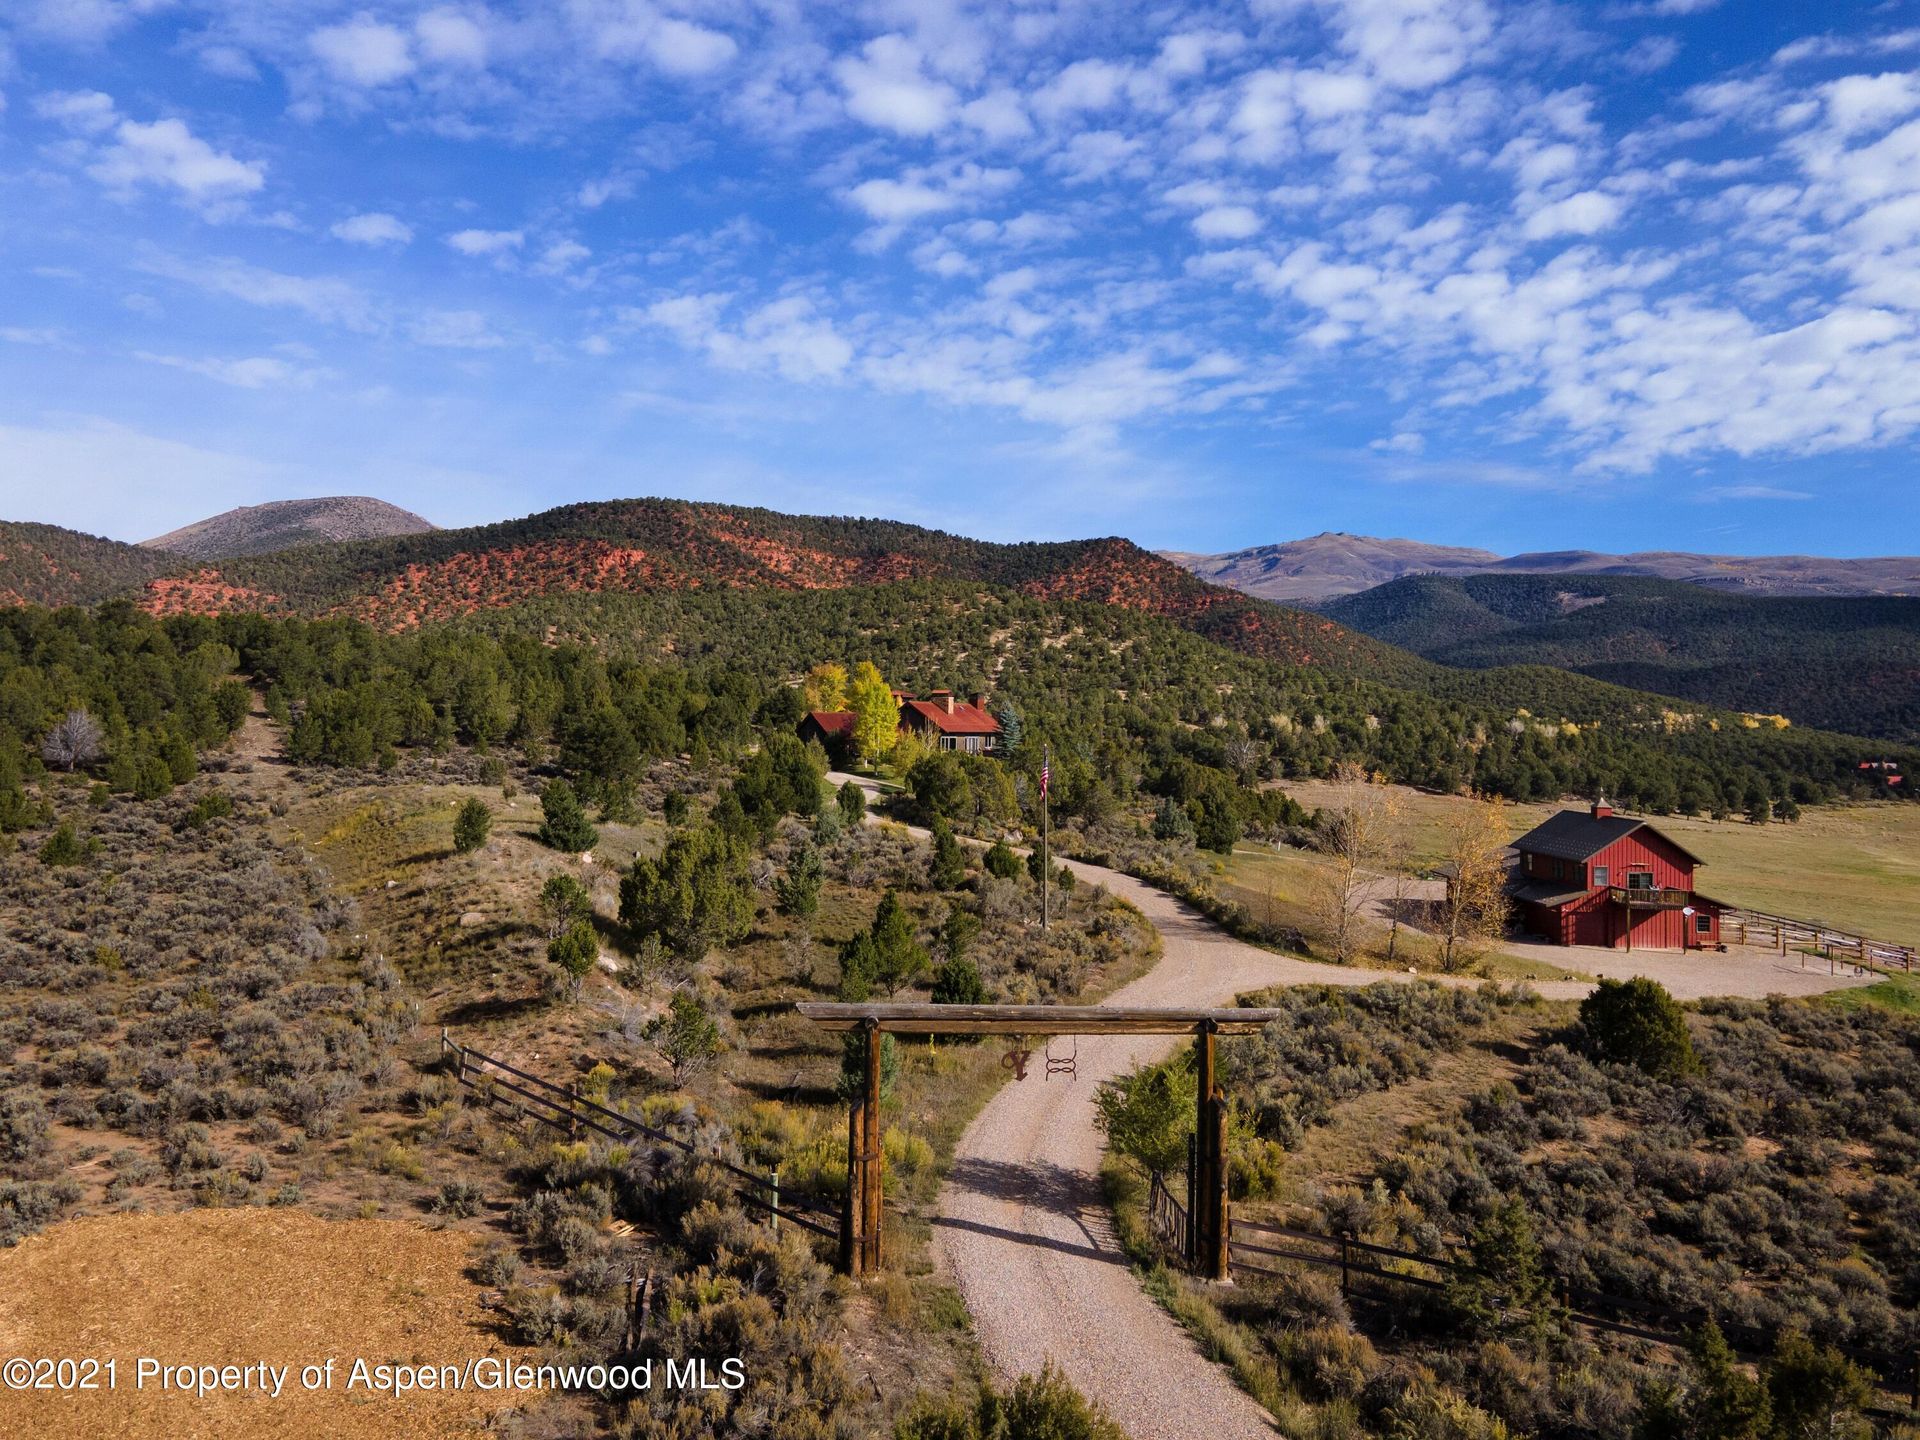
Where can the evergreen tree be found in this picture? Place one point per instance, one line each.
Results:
(686, 1036)
(564, 825)
(852, 1080)
(471, 825)
(1815, 1392)
(1636, 1022)
(852, 802)
(1001, 861)
(1012, 730)
(698, 894)
(958, 982)
(574, 951)
(898, 956)
(1507, 1293)
(563, 900)
(949, 865)
(798, 891)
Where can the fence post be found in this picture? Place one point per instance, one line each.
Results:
(573, 1113)
(1346, 1284)
(776, 1202)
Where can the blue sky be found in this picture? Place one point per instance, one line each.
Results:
(1622, 274)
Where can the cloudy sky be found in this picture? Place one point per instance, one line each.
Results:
(1618, 274)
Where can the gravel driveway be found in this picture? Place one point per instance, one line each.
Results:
(1023, 1226)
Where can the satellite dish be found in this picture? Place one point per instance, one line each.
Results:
(1686, 910)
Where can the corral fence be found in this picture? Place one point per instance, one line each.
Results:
(498, 1084)
(1835, 946)
(1370, 1272)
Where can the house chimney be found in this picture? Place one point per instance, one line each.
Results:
(979, 699)
(942, 698)
(947, 700)
(1601, 809)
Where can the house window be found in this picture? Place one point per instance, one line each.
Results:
(1702, 923)
(1639, 879)
(1602, 875)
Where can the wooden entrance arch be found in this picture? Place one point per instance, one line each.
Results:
(860, 1225)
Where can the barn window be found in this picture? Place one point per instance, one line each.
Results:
(1639, 879)
(1702, 923)
(1602, 875)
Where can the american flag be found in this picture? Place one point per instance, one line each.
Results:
(1046, 774)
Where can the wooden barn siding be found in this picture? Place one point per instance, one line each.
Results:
(1597, 921)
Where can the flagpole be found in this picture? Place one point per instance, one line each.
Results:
(1046, 837)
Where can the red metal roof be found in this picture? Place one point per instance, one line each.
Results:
(832, 722)
(965, 719)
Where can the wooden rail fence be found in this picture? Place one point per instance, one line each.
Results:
(1781, 932)
(1254, 1247)
(564, 1108)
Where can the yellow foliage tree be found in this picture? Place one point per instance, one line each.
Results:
(826, 687)
(876, 719)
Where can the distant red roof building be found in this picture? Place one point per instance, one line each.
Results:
(940, 718)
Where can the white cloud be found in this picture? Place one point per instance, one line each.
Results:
(1753, 492)
(321, 297)
(452, 37)
(787, 336)
(1585, 213)
(255, 372)
(454, 330)
(1226, 222)
(87, 112)
(922, 191)
(373, 228)
(363, 51)
(166, 153)
(486, 242)
(682, 48)
(887, 88)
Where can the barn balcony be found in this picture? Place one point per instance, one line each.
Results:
(1636, 897)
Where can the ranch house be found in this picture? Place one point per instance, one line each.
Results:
(942, 719)
(1596, 878)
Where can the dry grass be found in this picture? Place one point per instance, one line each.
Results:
(242, 1286)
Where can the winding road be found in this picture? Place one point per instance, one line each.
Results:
(1023, 1225)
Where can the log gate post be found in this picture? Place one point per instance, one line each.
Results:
(860, 1226)
(1210, 1181)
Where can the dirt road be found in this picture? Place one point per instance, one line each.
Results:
(1026, 1233)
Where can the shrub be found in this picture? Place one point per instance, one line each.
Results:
(575, 951)
(459, 1199)
(1146, 1116)
(564, 825)
(852, 1080)
(214, 805)
(797, 892)
(472, 824)
(563, 902)
(64, 847)
(686, 1036)
(1636, 1022)
(958, 983)
(852, 803)
(1001, 861)
(948, 867)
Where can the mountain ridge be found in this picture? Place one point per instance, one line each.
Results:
(1333, 563)
(287, 524)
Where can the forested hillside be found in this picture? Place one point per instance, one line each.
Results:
(1840, 663)
(1130, 704)
(45, 565)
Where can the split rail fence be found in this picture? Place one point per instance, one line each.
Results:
(1780, 932)
(564, 1108)
(1369, 1271)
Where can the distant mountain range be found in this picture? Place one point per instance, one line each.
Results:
(284, 524)
(1331, 564)
(1849, 663)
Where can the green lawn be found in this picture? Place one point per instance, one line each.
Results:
(1899, 993)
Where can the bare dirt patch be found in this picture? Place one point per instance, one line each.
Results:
(237, 1287)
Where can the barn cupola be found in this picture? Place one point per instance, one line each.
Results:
(1601, 809)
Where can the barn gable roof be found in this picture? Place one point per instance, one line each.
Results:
(832, 722)
(1578, 835)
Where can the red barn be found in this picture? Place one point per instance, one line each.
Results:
(1596, 878)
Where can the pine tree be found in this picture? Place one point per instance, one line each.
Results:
(575, 951)
(798, 891)
(565, 825)
(686, 1036)
(949, 865)
(471, 825)
(698, 894)
(898, 955)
